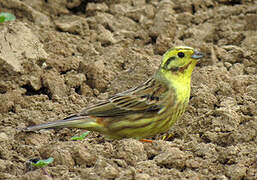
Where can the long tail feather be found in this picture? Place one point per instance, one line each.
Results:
(71, 121)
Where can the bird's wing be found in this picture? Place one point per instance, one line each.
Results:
(145, 98)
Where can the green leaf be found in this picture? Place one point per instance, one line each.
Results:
(7, 17)
(2, 18)
(81, 137)
(42, 163)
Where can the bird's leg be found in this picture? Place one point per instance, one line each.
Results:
(146, 140)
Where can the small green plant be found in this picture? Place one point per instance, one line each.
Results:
(2, 18)
(81, 137)
(41, 163)
(6, 17)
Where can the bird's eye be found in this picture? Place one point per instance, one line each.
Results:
(181, 54)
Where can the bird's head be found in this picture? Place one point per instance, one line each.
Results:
(179, 62)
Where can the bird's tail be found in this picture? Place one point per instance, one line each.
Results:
(74, 121)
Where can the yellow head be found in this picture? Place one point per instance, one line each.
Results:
(178, 64)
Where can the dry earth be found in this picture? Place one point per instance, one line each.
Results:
(59, 56)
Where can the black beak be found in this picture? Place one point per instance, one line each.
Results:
(197, 55)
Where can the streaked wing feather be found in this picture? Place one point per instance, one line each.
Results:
(144, 98)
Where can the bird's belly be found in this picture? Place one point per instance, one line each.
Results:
(148, 127)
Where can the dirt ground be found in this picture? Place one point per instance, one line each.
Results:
(60, 56)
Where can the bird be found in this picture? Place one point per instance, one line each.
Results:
(143, 111)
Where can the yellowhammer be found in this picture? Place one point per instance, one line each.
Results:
(144, 111)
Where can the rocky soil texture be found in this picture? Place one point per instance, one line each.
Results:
(59, 56)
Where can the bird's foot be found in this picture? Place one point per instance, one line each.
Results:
(146, 140)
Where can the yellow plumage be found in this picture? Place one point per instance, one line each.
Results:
(146, 110)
